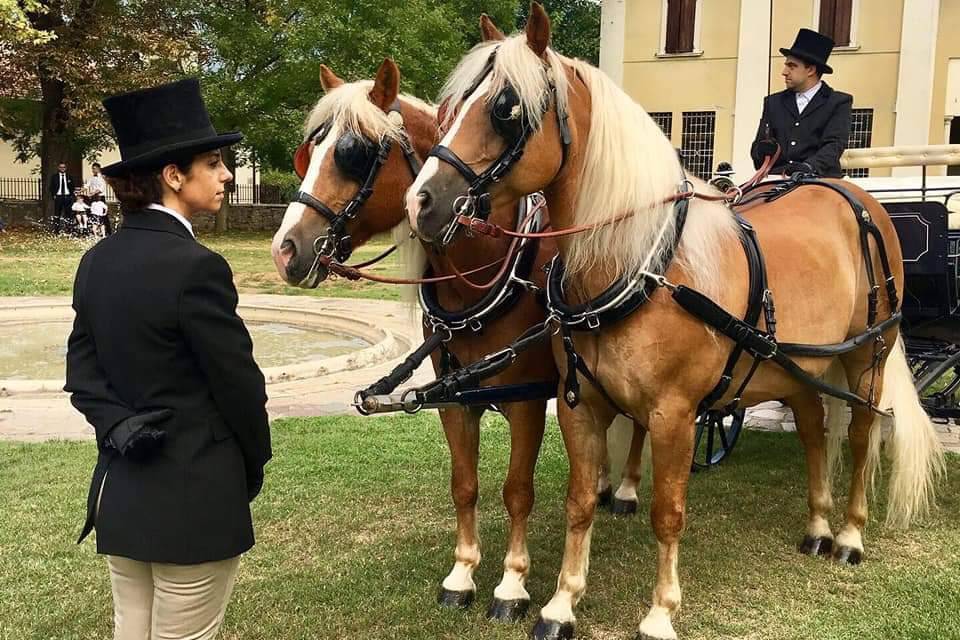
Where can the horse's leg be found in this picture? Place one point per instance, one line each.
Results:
(671, 432)
(604, 488)
(462, 429)
(584, 431)
(625, 500)
(849, 547)
(510, 598)
(808, 413)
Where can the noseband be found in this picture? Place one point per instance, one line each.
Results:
(336, 243)
(475, 203)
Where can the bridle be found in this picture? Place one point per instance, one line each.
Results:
(515, 128)
(358, 159)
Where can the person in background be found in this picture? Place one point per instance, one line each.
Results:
(162, 367)
(61, 188)
(79, 209)
(96, 188)
(809, 120)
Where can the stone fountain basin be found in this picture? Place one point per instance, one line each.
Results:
(383, 344)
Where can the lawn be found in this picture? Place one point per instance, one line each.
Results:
(355, 532)
(33, 264)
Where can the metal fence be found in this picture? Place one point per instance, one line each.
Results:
(257, 194)
(31, 189)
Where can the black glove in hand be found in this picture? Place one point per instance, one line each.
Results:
(767, 147)
(254, 484)
(135, 438)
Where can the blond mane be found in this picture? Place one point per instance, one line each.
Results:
(516, 66)
(348, 108)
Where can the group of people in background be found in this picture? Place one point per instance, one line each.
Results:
(81, 210)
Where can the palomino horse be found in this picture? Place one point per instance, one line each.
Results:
(352, 116)
(604, 164)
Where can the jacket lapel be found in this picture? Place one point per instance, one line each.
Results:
(789, 99)
(820, 99)
(152, 220)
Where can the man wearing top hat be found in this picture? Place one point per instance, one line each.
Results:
(809, 120)
(162, 367)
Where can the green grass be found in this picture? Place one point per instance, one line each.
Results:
(32, 264)
(355, 532)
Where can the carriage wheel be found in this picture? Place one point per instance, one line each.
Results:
(717, 434)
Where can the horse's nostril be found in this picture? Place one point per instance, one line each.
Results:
(288, 249)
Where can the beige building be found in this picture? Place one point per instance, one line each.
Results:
(703, 67)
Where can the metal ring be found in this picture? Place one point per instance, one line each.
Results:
(403, 401)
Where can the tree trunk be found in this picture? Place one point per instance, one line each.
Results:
(56, 143)
(229, 159)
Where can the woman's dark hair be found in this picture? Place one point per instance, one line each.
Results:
(136, 190)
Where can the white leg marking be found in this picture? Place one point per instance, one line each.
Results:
(570, 588)
(850, 536)
(431, 166)
(627, 491)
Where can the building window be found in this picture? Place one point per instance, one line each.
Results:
(835, 20)
(681, 25)
(664, 120)
(861, 133)
(696, 147)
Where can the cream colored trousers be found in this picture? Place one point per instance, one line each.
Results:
(156, 601)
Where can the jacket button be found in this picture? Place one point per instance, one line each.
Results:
(796, 124)
(793, 143)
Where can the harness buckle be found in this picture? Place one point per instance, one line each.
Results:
(475, 325)
(410, 406)
(593, 321)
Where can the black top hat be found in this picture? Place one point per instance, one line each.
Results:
(155, 126)
(811, 47)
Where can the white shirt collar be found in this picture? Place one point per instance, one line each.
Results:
(175, 214)
(804, 98)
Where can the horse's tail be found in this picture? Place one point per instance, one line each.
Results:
(914, 449)
(836, 420)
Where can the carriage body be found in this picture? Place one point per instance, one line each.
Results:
(926, 214)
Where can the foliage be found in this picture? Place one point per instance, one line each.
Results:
(287, 182)
(15, 23)
(575, 27)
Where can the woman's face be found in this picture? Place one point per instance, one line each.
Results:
(202, 189)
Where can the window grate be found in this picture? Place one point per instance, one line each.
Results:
(696, 149)
(664, 120)
(861, 133)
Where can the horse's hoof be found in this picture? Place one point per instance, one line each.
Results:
(848, 555)
(604, 497)
(816, 546)
(645, 636)
(508, 610)
(623, 507)
(455, 599)
(550, 630)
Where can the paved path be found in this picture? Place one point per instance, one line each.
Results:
(35, 417)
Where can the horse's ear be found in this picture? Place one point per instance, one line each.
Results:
(328, 79)
(488, 30)
(538, 29)
(387, 85)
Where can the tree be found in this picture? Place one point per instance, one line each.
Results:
(575, 27)
(262, 57)
(86, 49)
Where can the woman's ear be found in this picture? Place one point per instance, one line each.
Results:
(171, 176)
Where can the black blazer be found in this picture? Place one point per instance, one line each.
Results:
(818, 136)
(156, 327)
(54, 185)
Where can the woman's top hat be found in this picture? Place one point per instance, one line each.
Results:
(155, 126)
(812, 48)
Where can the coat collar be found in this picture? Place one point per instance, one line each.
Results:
(789, 100)
(151, 220)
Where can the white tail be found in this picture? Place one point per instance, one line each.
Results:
(914, 449)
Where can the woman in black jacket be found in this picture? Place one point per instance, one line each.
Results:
(162, 367)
